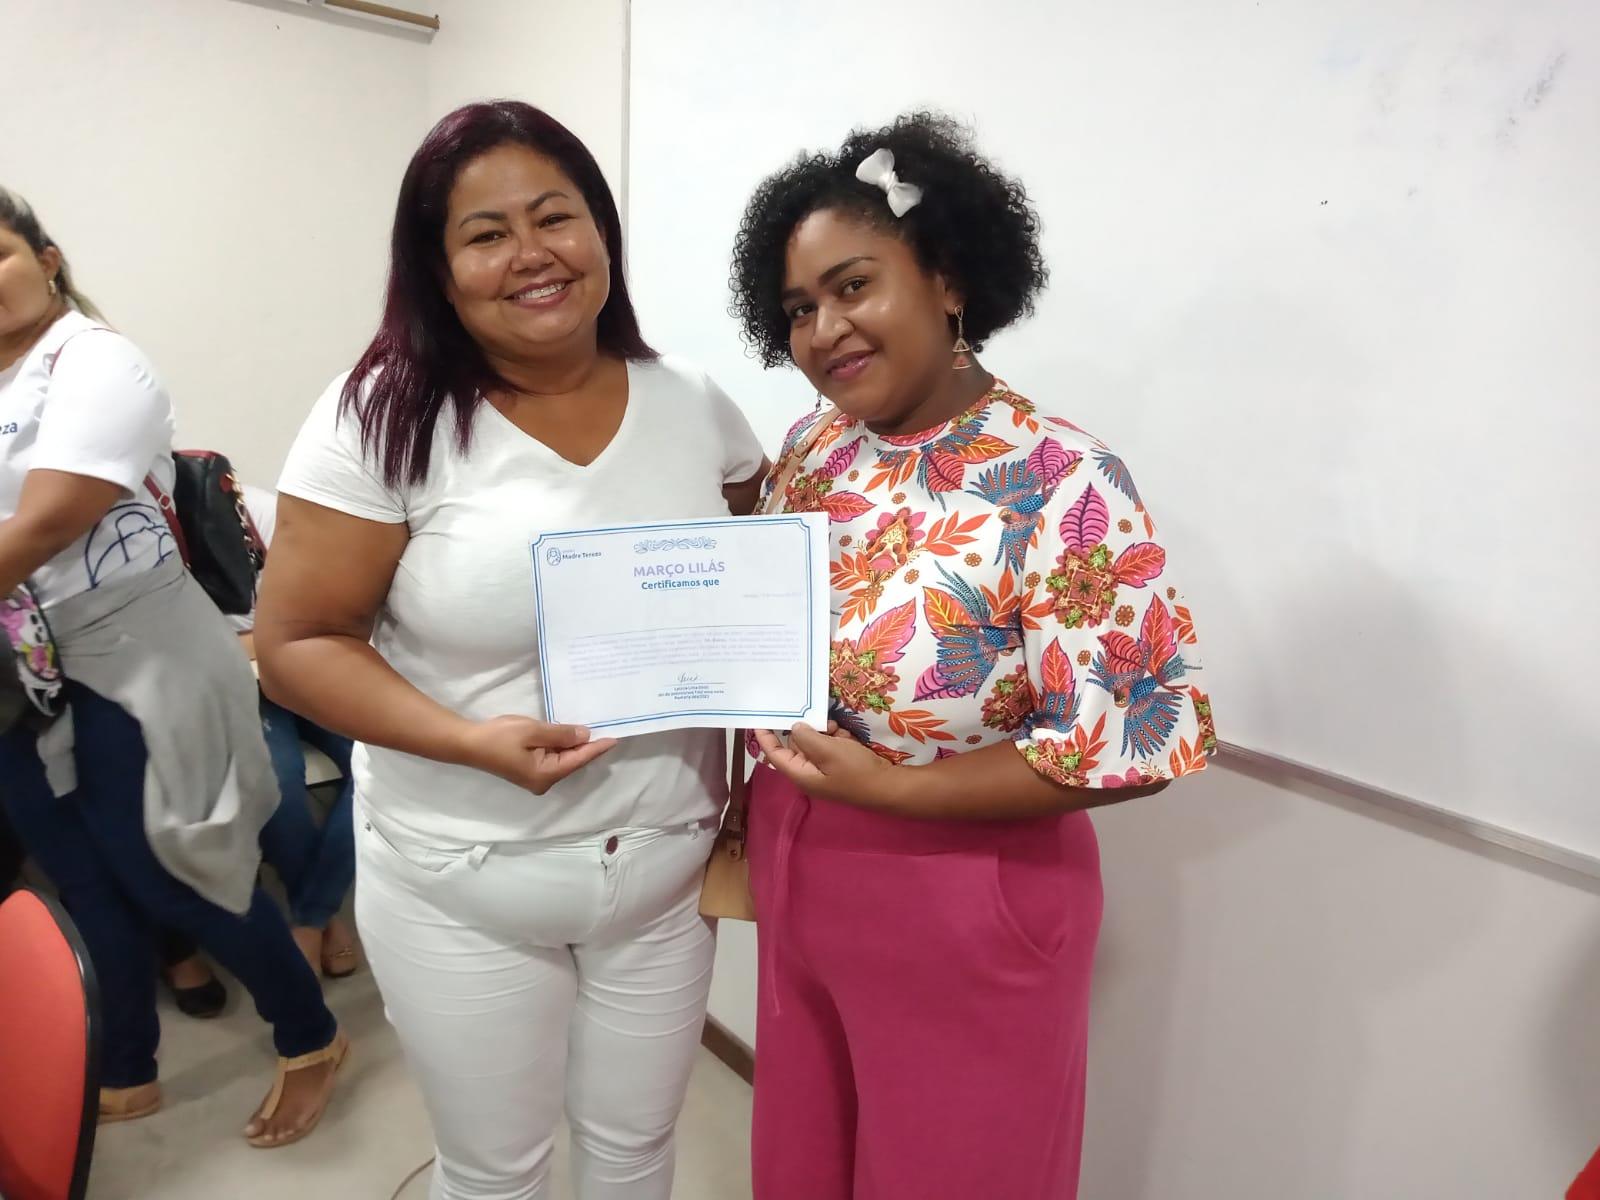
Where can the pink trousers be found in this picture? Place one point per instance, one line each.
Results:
(924, 1002)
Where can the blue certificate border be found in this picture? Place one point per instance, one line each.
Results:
(767, 715)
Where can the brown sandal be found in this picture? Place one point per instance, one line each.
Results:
(129, 1104)
(341, 964)
(345, 961)
(337, 1052)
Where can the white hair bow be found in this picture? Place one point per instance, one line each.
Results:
(878, 169)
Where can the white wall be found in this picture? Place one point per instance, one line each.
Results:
(1295, 1000)
(222, 177)
(1299, 1001)
(733, 986)
(566, 58)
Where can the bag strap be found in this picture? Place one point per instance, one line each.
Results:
(788, 466)
(738, 788)
(254, 544)
(169, 510)
(783, 474)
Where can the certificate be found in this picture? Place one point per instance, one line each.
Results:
(711, 624)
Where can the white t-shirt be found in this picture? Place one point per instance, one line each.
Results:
(459, 618)
(101, 413)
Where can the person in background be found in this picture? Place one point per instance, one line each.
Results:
(529, 908)
(1009, 651)
(144, 799)
(195, 988)
(316, 864)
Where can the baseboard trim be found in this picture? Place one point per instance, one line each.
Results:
(733, 1053)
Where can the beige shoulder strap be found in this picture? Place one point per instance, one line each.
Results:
(787, 467)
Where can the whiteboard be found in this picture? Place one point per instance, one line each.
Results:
(1326, 274)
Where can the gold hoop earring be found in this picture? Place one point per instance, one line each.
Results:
(961, 349)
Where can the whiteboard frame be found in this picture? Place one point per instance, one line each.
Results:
(1275, 768)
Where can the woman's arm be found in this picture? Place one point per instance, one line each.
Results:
(743, 497)
(994, 783)
(326, 578)
(55, 509)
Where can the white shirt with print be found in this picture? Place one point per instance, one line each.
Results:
(103, 413)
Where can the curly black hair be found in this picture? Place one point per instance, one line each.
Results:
(974, 225)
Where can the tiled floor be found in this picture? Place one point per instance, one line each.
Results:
(375, 1133)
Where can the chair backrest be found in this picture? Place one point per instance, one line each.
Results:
(1587, 1185)
(49, 1045)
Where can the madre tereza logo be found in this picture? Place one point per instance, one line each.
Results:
(555, 555)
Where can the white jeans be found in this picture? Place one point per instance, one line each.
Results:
(527, 978)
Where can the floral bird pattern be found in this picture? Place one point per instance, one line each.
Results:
(998, 578)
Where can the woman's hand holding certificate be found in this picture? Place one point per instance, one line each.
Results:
(531, 754)
(718, 623)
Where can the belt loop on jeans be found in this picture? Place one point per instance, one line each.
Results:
(476, 855)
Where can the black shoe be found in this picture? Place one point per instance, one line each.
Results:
(204, 1002)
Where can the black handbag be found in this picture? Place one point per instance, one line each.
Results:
(215, 535)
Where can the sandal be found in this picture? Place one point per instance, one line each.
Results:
(338, 1053)
(130, 1103)
(341, 964)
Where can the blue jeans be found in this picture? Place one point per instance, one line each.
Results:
(11, 856)
(92, 845)
(316, 865)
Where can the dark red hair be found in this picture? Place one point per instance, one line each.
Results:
(422, 357)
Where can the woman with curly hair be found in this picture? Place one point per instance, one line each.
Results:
(1008, 653)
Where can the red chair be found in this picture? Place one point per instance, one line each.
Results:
(1587, 1185)
(50, 1051)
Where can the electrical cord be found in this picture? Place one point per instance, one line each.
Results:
(406, 1182)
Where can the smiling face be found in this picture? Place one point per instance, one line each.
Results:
(527, 267)
(868, 325)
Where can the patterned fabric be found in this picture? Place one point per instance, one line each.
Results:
(26, 632)
(998, 578)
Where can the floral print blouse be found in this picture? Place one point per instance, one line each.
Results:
(997, 578)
